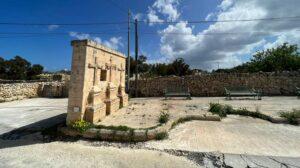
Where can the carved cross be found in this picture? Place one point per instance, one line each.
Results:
(96, 67)
(111, 67)
(121, 73)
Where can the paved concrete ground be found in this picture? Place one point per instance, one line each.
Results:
(235, 135)
(21, 113)
(59, 154)
(239, 141)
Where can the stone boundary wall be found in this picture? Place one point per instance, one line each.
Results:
(271, 84)
(18, 91)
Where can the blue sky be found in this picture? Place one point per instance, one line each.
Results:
(201, 51)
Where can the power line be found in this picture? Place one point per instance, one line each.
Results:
(117, 6)
(30, 34)
(216, 33)
(58, 33)
(63, 24)
(291, 18)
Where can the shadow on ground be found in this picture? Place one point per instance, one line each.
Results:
(38, 132)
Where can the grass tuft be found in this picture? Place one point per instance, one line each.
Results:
(224, 110)
(115, 128)
(163, 117)
(81, 125)
(161, 135)
(291, 116)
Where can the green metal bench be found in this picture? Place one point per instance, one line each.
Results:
(177, 91)
(241, 91)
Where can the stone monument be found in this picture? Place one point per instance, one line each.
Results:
(97, 84)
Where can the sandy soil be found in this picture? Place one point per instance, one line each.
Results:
(144, 112)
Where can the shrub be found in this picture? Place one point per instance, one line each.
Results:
(161, 135)
(164, 117)
(224, 110)
(218, 109)
(81, 125)
(291, 116)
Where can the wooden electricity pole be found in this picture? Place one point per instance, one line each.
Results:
(128, 54)
(136, 56)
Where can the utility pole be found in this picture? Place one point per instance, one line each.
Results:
(136, 56)
(128, 54)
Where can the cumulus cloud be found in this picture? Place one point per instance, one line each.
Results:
(113, 42)
(226, 43)
(53, 27)
(152, 17)
(167, 8)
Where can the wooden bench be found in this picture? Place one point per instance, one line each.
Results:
(177, 91)
(241, 91)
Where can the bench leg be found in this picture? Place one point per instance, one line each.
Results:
(259, 97)
(228, 97)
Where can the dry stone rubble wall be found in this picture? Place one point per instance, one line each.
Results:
(18, 91)
(271, 84)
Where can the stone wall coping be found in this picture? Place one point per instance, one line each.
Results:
(94, 44)
(141, 135)
(136, 135)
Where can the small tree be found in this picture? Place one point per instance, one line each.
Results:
(35, 70)
(17, 68)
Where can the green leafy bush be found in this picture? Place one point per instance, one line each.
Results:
(218, 109)
(224, 110)
(291, 116)
(164, 117)
(81, 125)
(161, 135)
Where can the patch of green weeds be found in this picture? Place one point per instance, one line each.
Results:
(161, 135)
(224, 110)
(291, 116)
(163, 117)
(81, 125)
(115, 128)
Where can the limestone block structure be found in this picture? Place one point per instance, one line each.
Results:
(97, 84)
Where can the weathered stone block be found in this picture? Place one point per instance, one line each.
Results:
(139, 135)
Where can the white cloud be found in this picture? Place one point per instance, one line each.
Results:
(138, 16)
(113, 42)
(226, 4)
(80, 36)
(211, 46)
(152, 17)
(293, 37)
(53, 27)
(168, 8)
